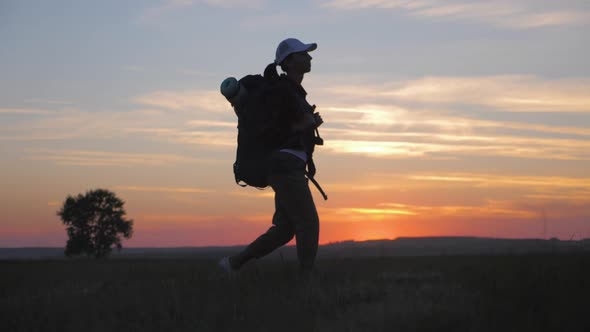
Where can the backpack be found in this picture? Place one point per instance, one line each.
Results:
(257, 135)
(256, 100)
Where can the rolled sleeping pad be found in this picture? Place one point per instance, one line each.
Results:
(233, 91)
(229, 87)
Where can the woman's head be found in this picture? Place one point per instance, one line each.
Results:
(299, 62)
(293, 56)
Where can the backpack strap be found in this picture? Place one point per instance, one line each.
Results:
(317, 185)
(310, 173)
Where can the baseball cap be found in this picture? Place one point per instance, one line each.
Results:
(292, 45)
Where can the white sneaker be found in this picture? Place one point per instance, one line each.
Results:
(225, 265)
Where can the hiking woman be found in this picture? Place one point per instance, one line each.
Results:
(295, 212)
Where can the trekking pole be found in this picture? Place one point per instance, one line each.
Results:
(317, 185)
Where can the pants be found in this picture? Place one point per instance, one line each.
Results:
(295, 213)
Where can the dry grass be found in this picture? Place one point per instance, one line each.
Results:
(448, 293)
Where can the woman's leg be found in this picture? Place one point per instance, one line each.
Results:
(295, 214)
(295, 201)
(279, 234)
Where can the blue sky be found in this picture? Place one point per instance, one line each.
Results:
(431, 107)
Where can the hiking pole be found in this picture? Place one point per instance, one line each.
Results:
(317, 185)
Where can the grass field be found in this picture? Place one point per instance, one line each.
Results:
(543, 292)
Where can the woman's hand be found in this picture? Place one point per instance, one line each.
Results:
(307, 122)
(317, 119)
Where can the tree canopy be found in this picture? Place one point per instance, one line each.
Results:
(95, 223)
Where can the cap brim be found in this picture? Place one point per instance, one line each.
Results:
(309, 47)
(302, 48)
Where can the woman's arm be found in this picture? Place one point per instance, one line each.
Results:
(307, 121)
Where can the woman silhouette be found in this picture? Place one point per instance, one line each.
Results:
(295, 212)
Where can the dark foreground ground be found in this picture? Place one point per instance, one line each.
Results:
(540, 292)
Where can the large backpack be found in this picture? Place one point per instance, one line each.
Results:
(257, 101)
(257, 133)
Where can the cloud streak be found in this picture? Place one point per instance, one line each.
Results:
(452, 147)
(395, 132)
(168, 125)
(387, 131)
(111, 159)
(514, 203)
(411, 120)
(513, 93)
(72, 123)
(170, 6)
(25, 111)
(392, 211)
(179, 190)
(517, 14)
(399, 120)
(511, 181)
(190, 100)
(472, 194)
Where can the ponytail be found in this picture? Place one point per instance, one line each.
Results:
(270, 72)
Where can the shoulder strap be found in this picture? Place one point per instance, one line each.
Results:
(315, 183)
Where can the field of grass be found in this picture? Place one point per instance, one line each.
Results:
(543, 292)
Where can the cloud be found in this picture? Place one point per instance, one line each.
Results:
(570, 195)
(498, 209)
(512, 93)
(155, 221)
(524, 190)
(542, 19)
(260, 194)
(111, 159)
(362, 186)
(164, 189)
(574, 197)
(452, 147)
(236, 3)
(516, 14)
(419, 128)
(409, 119)
(171, 6)
(72, 123)
(207, 139)
(187, 127)
(506, 181)
(203, 138)
(397, 121)
(49, 101)
(380, 149)
(371, 211)
(473, 196)
(283, 20)
(213, 124)
(191, 100)
(25, 111)
(390, 211)
(382, 131)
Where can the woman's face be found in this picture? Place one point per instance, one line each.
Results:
(299, 62)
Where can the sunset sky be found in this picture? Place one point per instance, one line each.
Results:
(441, 117)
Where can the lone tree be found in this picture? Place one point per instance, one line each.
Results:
(95, 222)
